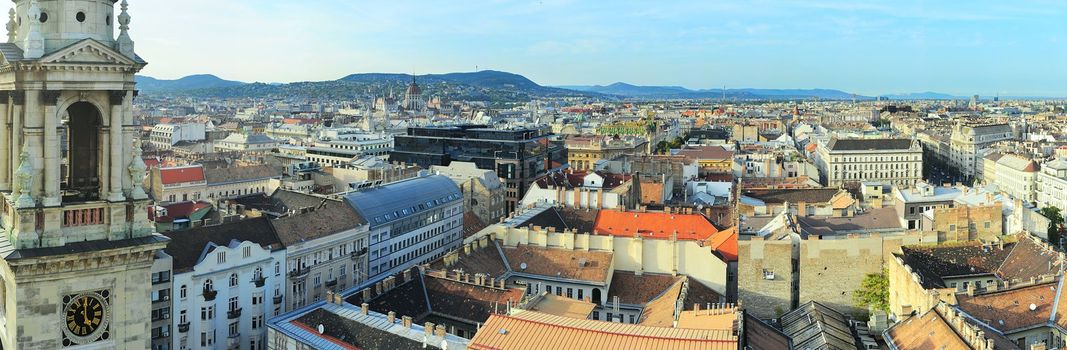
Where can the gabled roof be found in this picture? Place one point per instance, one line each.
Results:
(330, 218)
(927, 331)
(537, 331)
(1009, 310)
(868, 144)
(654, 225)
(182, 174)
(560, 263)
(234, 174)
(186, 246)
(89, 51)
(816, 326)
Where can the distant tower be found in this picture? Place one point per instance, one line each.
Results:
(974, 103)
(413, 97)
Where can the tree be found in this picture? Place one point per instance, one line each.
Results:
(1055, 224)
(873, 292)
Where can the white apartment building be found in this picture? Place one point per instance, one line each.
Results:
(1051, 184)
(967, 140)
(891, 161)
(348, 147)
(238, 142)
(1016, 177)
(227, 282)
(482, 188)
(164, 136)
(412, 222)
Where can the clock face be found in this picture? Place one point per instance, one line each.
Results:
(85, 317)
(85, 314)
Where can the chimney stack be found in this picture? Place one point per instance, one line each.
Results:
(364, 308)
(391, 317)
(406, 321)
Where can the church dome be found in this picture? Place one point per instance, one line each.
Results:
(413, 89)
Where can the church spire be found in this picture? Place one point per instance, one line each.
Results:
(125, 44)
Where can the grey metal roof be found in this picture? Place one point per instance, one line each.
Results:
(11, 51)
(869, 144)
(384, 204)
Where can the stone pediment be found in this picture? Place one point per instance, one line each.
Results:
(87, 51)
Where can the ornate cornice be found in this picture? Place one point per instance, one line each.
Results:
(50, 97)
(116, 97)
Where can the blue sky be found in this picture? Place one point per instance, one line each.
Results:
(870, 47)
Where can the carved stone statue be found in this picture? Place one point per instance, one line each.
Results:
(138, 171)
(24, 181)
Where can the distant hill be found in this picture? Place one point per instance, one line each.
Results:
(492, 86)
(677, 92)
(192, 82)
(922, 96)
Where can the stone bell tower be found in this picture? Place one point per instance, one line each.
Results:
(76, 245)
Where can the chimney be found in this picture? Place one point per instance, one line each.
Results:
(407, 275)
(366, 294)
(467, 249)
(391, 317)
(364, 308)
(492, 281)
(428, 328)
(378, 288)
(406, 321)
(439, 331)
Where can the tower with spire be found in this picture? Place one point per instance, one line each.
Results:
(74, 218)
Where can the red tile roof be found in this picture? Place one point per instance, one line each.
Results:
(173, 176)
(707, 152)
(656, 225)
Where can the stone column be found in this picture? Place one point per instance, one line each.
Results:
(117, 167)
(18, 100)
(32, 131)
(128, 134)
(5, 141)
(52, 197)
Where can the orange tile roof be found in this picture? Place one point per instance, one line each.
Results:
(929, 331)
(656, 225)
(528, 330)
(1009, 310)
(725, 243)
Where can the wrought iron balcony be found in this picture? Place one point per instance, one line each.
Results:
(209, 294)
(232, 314)
(259, 281)
(183, 327)
(277, 300)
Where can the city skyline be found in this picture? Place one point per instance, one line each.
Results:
(869, 49)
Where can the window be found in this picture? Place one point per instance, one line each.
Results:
(559, 291)
(596, 315)
(207, 312)
(632, 319)
(233, 304)
(182, 316)
(277, 269)
(221, 258)
(570, 292)
(246, 251)
(80, 16)
(182, 291)
(234, 329)
(233, 280)
(208, 285)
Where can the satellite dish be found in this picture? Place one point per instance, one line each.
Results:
(1033, 307)
(522, 266)
(321, 328)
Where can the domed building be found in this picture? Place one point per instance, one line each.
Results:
(413, 97)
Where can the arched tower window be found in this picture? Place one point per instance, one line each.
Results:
(81, 153)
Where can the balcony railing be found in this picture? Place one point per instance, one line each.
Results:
(331, 283)
(232, 314)
(300, 273)
(359, 253)
(183, 327)
(84, 216)
(209, 294)
(277, 300)
(259, 281)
